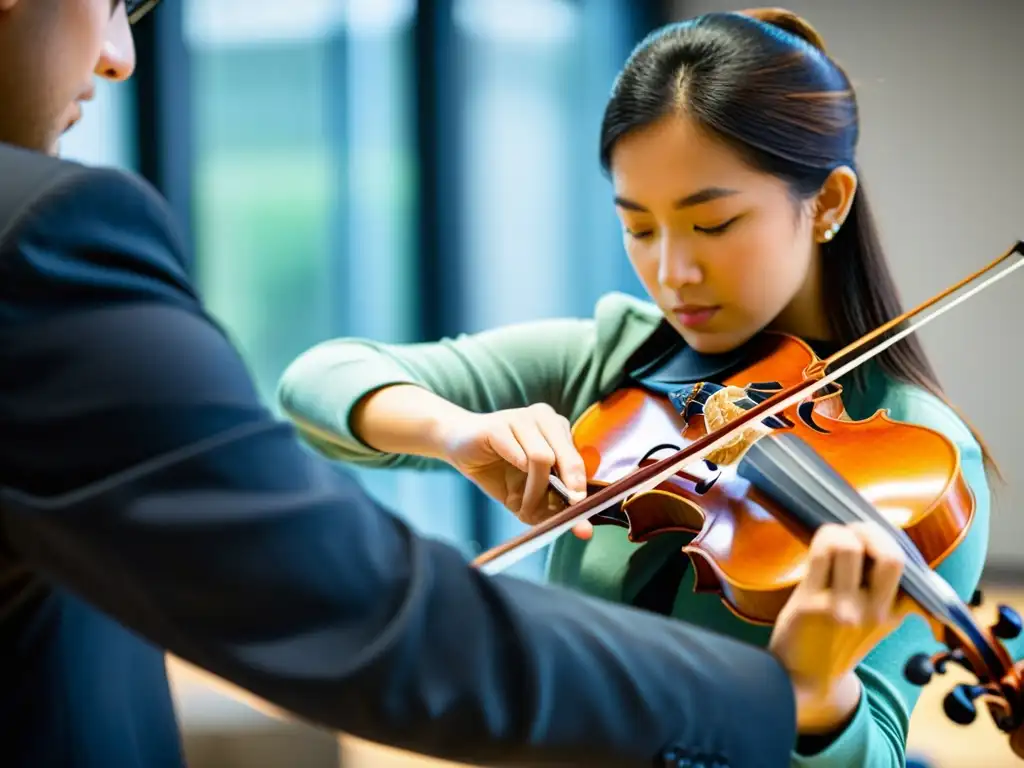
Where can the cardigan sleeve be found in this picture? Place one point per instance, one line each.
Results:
(562, 362)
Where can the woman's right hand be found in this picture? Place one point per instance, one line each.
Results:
(510, 455)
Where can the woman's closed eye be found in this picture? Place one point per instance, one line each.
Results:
(638, 234)
(641, 233)
(717, 229)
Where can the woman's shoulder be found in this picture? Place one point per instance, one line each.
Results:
(622, 311)
(622, 324)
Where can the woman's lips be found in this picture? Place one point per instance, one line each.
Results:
(694, 315)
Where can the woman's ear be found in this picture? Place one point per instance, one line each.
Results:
(833, 203)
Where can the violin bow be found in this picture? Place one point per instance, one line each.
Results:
(818, 375)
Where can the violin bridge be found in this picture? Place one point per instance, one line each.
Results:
(722, 408)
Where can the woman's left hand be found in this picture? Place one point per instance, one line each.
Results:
(842, 609)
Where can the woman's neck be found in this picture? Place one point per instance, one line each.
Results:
(806, 315)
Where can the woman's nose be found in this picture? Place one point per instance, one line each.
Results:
(678, 267)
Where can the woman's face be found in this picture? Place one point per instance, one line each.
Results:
(720, 247)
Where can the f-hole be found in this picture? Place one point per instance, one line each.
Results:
(702, 485)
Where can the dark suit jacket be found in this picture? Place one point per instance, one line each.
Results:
(152, 502)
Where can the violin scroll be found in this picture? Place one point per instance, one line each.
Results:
(920, 668)
(1003, 696)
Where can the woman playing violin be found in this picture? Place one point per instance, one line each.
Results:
(730, 142)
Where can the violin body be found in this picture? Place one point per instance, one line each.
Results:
(747, 546)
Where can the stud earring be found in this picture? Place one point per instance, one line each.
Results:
(831, 231)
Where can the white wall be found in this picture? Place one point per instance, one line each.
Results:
(941, 91)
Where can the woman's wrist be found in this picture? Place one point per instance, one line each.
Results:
(820, 713)
(405, 419)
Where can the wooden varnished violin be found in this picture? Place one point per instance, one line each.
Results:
(755, 464)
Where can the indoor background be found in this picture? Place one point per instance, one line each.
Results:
(408, 170)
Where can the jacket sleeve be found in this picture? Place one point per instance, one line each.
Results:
(877, 735)
(144, 475)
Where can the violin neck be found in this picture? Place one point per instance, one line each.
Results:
(784, 468)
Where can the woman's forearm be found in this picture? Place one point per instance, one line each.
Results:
(404, 419)
(825, 716)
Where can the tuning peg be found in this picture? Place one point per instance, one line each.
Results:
(920, 667)
(976, 598)
(959, 703)
(1008, 625)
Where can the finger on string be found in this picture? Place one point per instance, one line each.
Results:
(819, 559)
(887, 566)
(847, 571)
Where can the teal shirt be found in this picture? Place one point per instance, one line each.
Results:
(573, 363)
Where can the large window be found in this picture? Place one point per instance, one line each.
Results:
(320, 132)
(305, 182)
(540, 237)
(269, 173)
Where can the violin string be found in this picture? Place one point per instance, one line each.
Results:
(918, 574)
(920, 582)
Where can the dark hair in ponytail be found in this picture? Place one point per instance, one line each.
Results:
(762, 82)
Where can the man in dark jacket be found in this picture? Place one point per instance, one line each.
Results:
(150, 502)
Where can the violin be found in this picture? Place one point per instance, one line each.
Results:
(755, 464)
